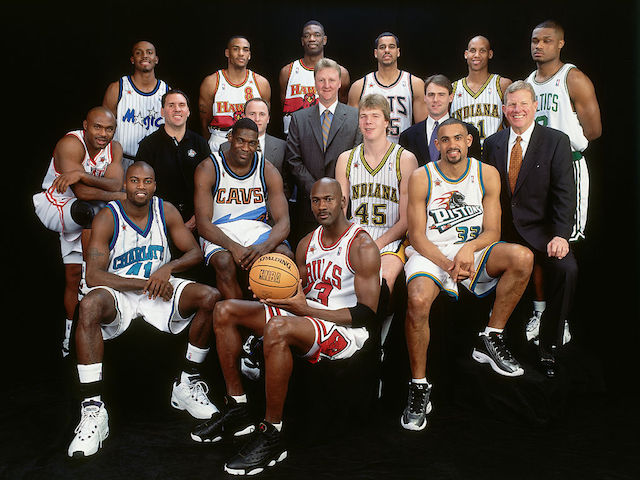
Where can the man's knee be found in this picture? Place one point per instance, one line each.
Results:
(418, 308)
(223, 264)
(93, 307)
(223, 315)
(277, 330)
(522, 260)
(206, 296)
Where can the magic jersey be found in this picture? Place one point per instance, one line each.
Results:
(454, 206)
(300, 92)
(137, 114)
(483, 108)
(136, 252)
(238, 197)
(375, 192)
(330, 277)
(400, 96)
(555, 109)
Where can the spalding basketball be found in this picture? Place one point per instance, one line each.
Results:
(274, 275)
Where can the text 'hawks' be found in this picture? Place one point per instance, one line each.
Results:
(374, 190)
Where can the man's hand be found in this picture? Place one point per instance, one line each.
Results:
(297, 304)
(463, 264)
(245, 256)
(558, 247)
(158, 284)
(65, 180)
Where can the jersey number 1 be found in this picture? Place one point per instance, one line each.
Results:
(135, 269)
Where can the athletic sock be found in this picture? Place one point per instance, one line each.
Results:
(90, 381)
(489, 330)
(240, 398)
(539, 306)
(191, 362)
(420, 381)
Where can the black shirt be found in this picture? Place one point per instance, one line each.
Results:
(175, 164)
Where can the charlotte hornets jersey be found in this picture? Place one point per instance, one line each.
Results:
(300, 93)
(137, 114)
(555, 109)
(454, 206)
(375, 192)
(330, 277)
(238, 197)
(136, 252)
(400, 96)
(483, 108)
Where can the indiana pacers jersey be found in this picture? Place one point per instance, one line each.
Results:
(482, 108)
(300, 93)
(137, 114)
(330, 277)
(375, 192)
(238, 197)
(136, 252)
(228, 105)
(454, 205)
(400, 96)
(555, 109)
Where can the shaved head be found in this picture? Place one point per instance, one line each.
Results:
(139, 165)
(480, 38)
(327, 184)
(144, 45)
(101, 111)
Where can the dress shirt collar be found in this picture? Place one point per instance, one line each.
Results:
(431, 121)
(331, 108)
(526, 135)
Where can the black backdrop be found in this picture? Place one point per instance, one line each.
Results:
(59, 58)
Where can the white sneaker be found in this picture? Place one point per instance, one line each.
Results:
(192, 397)
(533, 327)
(92, 430)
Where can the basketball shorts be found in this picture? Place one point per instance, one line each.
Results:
(332, 342)
(163, 315)
(217, 138)
(244, 232)
(481, 284)
(581, 175)
(394, 248)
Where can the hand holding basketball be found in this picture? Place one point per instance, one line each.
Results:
(275, 276)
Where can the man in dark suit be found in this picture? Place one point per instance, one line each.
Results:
(538, 203)
(317, 135)
(420, 138)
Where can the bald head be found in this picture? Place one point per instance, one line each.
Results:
(479, 39)
(142, 168)
(327, 184)
(99, 128)
(102, 112)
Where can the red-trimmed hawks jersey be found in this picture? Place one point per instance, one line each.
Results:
(228, 103)
(301, 91)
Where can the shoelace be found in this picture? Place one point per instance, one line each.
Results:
(89, 414)
(417, 398)
(199, 392)
(501, 349)
(533, 323)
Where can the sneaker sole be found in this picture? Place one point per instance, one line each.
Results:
(256, 470)
(175, 403)
(484, 358)
(416, 428)
(240, 433)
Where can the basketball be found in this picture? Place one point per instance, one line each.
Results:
(274, 275)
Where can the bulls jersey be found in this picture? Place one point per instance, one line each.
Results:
(136, 252)
(137, 114)
(300, 93)
(238, 197)
(555, 109)
(400, 96)
(375, 192)
(454, 206)
(330, 277)
(482, 108)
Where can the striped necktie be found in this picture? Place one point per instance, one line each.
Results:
(327, 116)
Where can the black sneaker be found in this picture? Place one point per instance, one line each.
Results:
(234, 421)
(263, 450)
(418, 407)
(491, 349)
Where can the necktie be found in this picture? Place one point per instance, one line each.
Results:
(433, 151)
(515, 162)
(326, 126)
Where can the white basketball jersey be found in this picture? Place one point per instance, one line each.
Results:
(454, 206)
(330, 277)
(96, 166)
(483, 108)
(239, 197)
(400, 96)
(136, 252)
(228, 103)
(375, 192)
(300, 93)
(138, 114)
(555, 109)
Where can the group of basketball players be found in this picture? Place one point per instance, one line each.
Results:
(116, 242)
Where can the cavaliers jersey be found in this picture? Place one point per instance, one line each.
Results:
(330, 277)
(454, 206)
(300, 92)
(375, 192)
(483, 108)
(400, 96)
(136, 252)
(555, 109)
(238, 197)
(137, 114)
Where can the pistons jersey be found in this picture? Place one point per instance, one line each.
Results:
(330, 277)
(300, 92)
(136, 252)
(555, 109)
(375, 192)
(137, 114)
(238, 197)
(228, 104)
(483, 108)
(454, 206)
(400, 96)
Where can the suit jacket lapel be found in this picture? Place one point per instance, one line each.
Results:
(528, 161)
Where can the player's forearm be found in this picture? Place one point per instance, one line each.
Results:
(96, 278)
(216, 236)
(188, 260)
(341, 316)
(279, 234)
(429, 251)
(87, 193)
(103, 183)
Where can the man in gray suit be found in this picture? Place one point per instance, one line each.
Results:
(317, 135)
